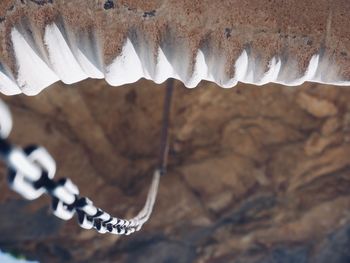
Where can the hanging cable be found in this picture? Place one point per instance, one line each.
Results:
(164, 141)
(32, 171)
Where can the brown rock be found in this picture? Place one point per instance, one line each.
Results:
(254, 176)
(317, 143)
(319, 108)
(330, 126)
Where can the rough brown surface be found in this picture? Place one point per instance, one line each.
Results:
(255, 174)
(293, 30)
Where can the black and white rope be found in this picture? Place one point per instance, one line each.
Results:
(32, 171)
(31, 174)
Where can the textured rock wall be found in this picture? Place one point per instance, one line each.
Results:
(255, 174)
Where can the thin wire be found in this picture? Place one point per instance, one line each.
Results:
(164, 140)
(145, 213)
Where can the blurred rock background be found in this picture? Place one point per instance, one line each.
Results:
(256, 174)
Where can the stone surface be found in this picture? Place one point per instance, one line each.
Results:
(255, 174)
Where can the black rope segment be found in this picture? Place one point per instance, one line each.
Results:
(5, 148)
(164, 139)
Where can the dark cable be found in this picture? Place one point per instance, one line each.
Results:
(164, 139)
